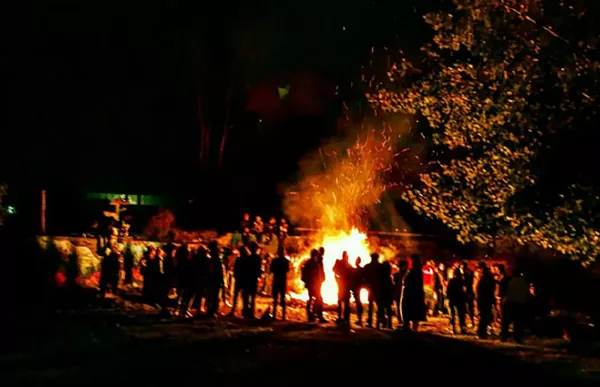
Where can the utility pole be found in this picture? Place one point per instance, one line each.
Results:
(43, 213)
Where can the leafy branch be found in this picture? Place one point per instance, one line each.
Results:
(496, 82)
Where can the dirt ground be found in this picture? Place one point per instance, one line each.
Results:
(121, 342)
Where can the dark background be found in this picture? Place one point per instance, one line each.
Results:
(106, 96)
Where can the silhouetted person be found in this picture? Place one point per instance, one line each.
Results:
(72, 270)
(230, 259)
(413, 297)
(321, 271)
(245, 222)
(124, 228)
(283, 230)
(94, 230)
(109, 276)
(200, 278)
(398, 286)
(372, 274)
(265, 281)
(186, 281)
(514, 308)
(102, 242)
(163, 282)
(271, 229)
(486, 298)
(321, 255)
(150, 269)
(170, 248)
(280, 267)
(258, 228)
(247, 237)
(343, 277)
(502, 285)
(128, 259)
(358, 283)
(469, 279)
(313, 277)
(253, 273)
(240, 270)
(215, 279)
(439, 285)
(457, 299)
(386, 296)
(170, 262)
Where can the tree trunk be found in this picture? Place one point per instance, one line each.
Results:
(225, 123)
(204, 132)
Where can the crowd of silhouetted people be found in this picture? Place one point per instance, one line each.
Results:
(397, 290)
(196, 279)
(200, 279)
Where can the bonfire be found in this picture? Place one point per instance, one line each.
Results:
(355, 243)
(338, 187)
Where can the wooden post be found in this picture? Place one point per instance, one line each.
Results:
(43, 213)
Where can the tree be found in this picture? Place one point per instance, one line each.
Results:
(213, 106)
(498, 81)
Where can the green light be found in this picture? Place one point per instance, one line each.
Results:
(283, 91)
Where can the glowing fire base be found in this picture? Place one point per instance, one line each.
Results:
(335, 243)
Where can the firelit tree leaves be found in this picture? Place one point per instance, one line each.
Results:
(497, 78)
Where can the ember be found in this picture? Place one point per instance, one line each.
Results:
(339, 185)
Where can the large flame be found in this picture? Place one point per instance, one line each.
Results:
(355, 243)
(335, 243)
(338, 187)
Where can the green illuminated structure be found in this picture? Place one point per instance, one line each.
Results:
(136, 200)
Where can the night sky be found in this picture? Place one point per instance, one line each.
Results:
(119, 80)
(106, 95)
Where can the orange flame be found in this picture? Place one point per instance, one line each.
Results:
(355, 243)
(338, 187)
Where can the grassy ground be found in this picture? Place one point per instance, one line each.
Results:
(127, 344)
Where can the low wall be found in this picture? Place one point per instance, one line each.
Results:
(80, 254)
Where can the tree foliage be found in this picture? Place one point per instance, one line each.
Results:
(497, 80)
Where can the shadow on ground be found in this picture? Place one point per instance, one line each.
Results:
(97, 345)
